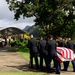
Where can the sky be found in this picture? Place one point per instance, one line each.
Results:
(7, 18)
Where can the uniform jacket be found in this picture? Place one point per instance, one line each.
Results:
(51, 48)
(61, 43)
(70, 45)
(42, 46)
(32, 45)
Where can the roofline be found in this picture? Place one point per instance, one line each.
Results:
(12, 27)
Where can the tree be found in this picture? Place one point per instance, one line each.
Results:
(50, 14)
(69, 20)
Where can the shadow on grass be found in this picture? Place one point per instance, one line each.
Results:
(26, 68)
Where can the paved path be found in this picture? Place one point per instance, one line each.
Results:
(10, 61)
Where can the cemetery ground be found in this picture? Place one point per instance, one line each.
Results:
(17, 63)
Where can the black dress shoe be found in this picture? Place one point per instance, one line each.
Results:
(57, 72)
(49, 71)
(30, 66)
(73, 70)
(64, 70)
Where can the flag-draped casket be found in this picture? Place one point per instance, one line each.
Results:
(64, 54)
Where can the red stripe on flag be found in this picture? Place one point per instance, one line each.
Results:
(64, 54)
(67, 52)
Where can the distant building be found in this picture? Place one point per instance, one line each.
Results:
(10, 31)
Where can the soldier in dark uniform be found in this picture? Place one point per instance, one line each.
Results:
(32, 44)
(42, 51)
(70, 45)
(61, 43)
(52, 54)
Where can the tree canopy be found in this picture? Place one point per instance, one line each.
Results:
(55, 17)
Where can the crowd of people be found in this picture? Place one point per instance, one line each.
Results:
(46, 50)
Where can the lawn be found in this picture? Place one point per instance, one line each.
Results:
(22, 73)
(24, 52)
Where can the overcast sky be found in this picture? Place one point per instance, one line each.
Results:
(7, 18)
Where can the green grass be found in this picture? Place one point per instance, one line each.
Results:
(24, 52)
(22, 73)
(25, 55)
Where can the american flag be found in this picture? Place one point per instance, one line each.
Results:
(64, 54)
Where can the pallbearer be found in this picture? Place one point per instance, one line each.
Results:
(52, 54)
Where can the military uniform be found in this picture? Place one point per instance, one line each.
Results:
(42, 52)
(70, 45)
(32, 44)
(52, 54)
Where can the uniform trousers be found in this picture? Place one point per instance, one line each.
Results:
(49, 59)
(66, 64)
(42, 57)
(35, 56)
